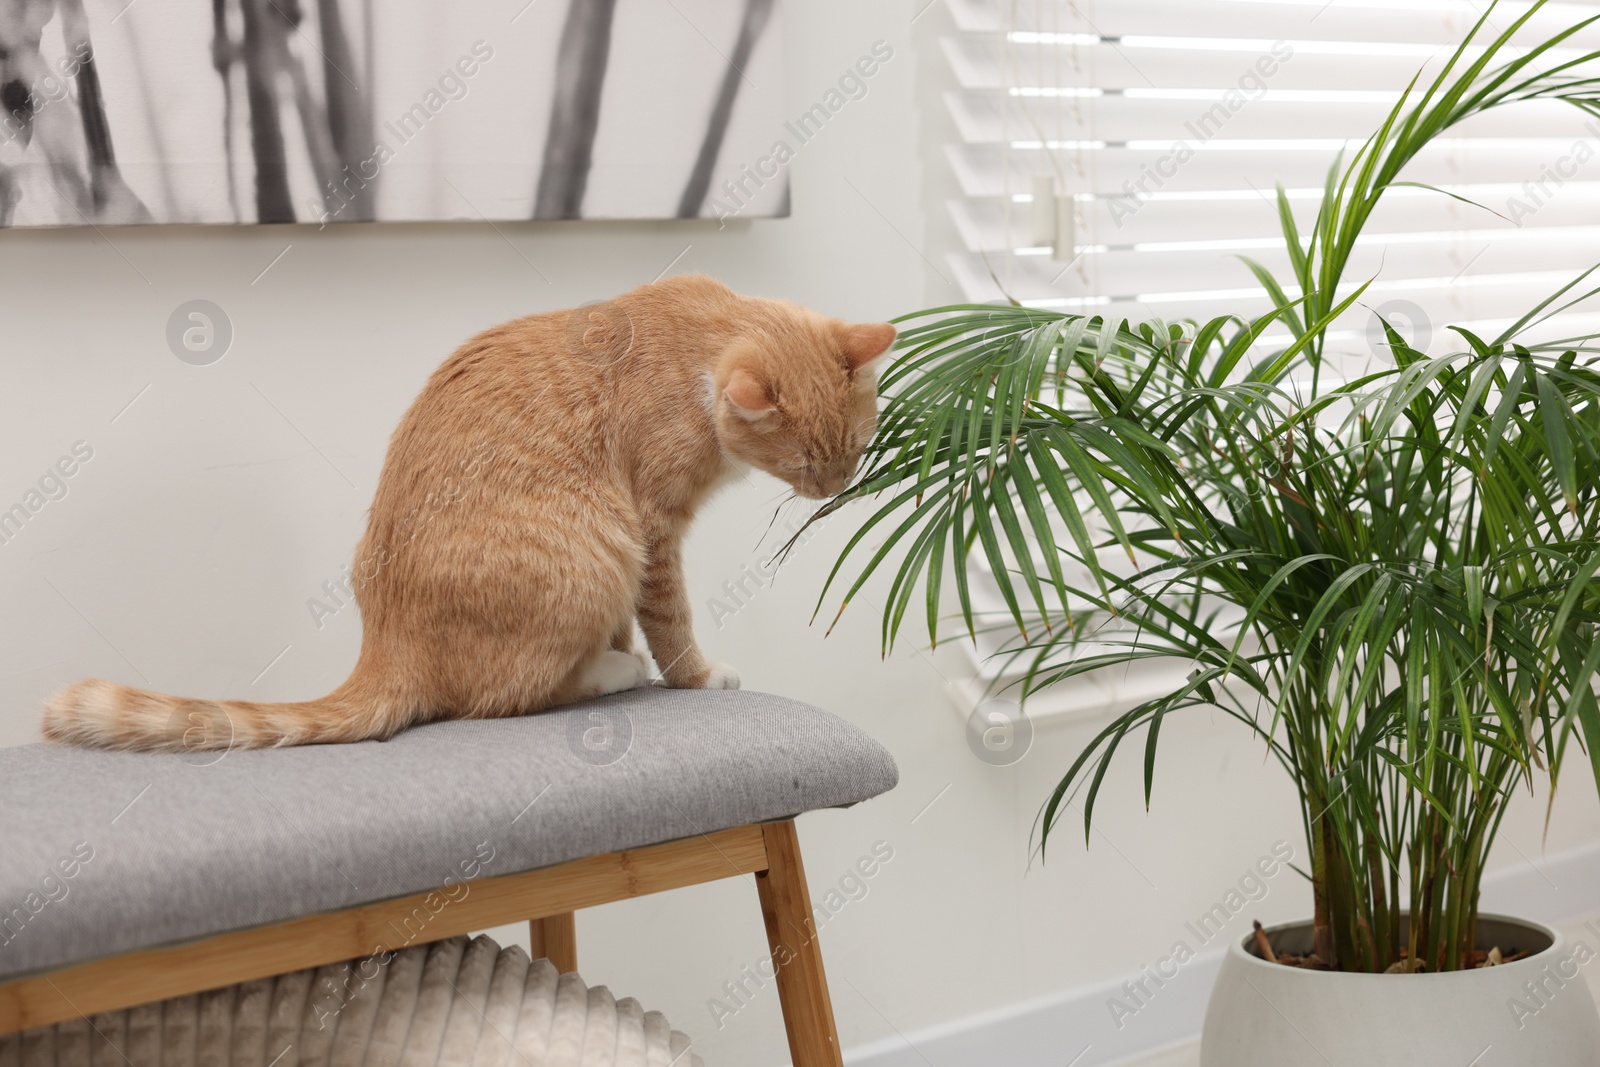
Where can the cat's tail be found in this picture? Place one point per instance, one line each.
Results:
(107, 715)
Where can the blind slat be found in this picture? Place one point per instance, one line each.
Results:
(978, 118)
(1432, 22)
(990, 63)
(979, 167)
(1125, 273)
(1473, 294)
(1253, 219)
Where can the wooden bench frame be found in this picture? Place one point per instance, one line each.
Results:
(546, 897)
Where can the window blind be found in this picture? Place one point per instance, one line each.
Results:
(1163, 127)
(1168, 123)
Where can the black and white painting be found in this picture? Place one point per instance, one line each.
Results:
(119, 112)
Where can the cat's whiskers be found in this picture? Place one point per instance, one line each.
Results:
(783, 502)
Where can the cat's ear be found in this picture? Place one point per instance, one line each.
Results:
(865, 342)
(747, 396)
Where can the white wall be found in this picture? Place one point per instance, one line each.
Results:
(218, 503)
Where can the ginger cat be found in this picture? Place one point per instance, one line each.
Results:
(532, 505)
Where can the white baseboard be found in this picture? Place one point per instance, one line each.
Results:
(1050, 1031)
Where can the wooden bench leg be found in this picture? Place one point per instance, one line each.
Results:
(796, 955)
(555, 937)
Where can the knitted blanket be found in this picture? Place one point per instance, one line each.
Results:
(454, 1003)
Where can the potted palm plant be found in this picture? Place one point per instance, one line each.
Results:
(1389, 578)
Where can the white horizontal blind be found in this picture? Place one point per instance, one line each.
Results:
(1169, 122)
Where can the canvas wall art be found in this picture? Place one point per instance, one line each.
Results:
(119, 112)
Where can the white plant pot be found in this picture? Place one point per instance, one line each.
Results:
(1536, 1011)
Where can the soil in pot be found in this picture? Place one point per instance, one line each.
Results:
(1301, 955)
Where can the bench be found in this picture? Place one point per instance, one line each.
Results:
(132, 877)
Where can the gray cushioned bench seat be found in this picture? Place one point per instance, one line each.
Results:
(186, 845)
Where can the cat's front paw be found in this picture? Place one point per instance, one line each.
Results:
(722, 676)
